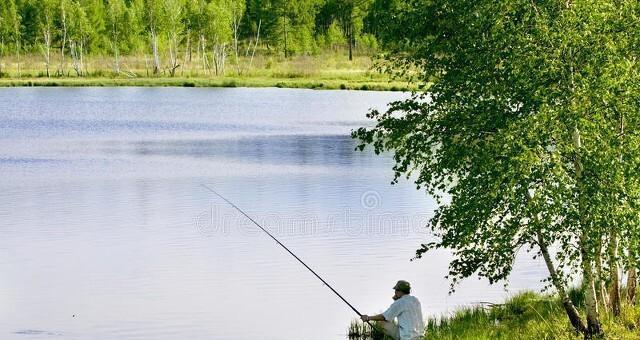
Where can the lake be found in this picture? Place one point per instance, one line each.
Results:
(109, 230)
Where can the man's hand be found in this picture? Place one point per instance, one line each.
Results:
(367, 318)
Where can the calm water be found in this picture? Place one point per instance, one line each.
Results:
(108, 231)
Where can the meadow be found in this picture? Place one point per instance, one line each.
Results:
(323, 71)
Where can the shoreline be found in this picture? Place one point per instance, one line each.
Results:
(229, 82)
(527, 315)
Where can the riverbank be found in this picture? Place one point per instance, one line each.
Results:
(526, 316)
(330, 71)
(307, 83)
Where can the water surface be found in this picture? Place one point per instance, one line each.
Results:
(108, 229)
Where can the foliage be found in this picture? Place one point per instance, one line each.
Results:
(333, 37)
(527, 135)
(171, 33)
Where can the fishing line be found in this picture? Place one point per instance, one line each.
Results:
(287, 249)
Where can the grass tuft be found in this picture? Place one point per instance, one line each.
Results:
(359, 330)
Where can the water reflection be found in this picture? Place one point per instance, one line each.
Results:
(336, 150)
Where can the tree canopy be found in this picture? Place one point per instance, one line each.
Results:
(527, 134)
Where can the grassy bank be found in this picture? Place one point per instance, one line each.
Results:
(327, 71)
(525, 316)
(308, 83)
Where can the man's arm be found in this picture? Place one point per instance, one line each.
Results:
(378, 317)
(391, 313)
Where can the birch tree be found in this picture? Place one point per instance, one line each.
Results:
(79, 32)
(45, 13)
(219, 29)
(62, 8)
(154, 20)
(173, 14)
(200, 17)
(237, 12)
(519, 135)
(115, 23)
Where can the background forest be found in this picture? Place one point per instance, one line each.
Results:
(169, 37)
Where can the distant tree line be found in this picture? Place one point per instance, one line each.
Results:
(170, 32)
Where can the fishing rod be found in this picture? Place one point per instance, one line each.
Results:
(289, 251)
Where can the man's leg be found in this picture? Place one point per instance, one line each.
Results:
(389, 328)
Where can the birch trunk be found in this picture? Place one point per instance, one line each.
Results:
(570, 309)
(154, 48)
(64, 41)
(116, 51)
(173, 54)
(116, 61)
(187, 54)
(632, 283)
(601, 287)
(146, 64)
(75, 57)
(46, 49)
(255, 46)
(219, 58)
(203, 51)
(236, 28)
(614, 291)
(1, 54)
(214, 55)
(591, 303)
(18, 60)
(81, 56)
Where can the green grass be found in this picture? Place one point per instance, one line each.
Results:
(327, 84)
(328, 71)
(362, 331)
(526, 316)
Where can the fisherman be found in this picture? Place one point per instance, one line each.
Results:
(406, 308)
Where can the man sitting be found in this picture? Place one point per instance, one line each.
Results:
(406, 308)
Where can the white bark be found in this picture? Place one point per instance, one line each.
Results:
(64, 40)
(1, 53)
(115, 43)
(591, 302)
(46, 48)
(173, 53)
(614, 291)
(203, 54)
(236, 27)
(255, 46)
(75, 57)
(156, 53)
(219, 56)
(632, 283)
(18, 60)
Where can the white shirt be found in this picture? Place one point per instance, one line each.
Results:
(409, 313)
